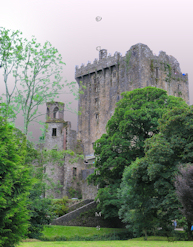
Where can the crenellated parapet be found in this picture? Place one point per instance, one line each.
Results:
(98, 64)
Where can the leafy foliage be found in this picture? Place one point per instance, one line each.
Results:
(138, 201)
(61, 206)
(11, 59)
(15, 183)
(41, 211)
(164, 153)
(135, 119)
(38, 71)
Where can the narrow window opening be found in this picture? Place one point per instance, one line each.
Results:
(96, 102)
(53, 131)
(48, 112)
(74, 171)
(157, 72)
(97, 116)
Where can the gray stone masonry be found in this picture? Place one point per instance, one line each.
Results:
(109, 76)
(88, 218)
(63, 220)
(79, 204)
(54, 139)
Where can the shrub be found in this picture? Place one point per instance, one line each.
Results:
(15, 183)
(61, 206)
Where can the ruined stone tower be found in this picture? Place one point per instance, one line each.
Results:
(55, 137)
(59, 136)
(109, 76)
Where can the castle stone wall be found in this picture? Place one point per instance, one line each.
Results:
(88, 191)
(54, 171)
(107, 78)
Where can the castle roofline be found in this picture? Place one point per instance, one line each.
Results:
(108, 61)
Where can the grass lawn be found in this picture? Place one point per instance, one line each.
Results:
(71, 231)
(124, 243)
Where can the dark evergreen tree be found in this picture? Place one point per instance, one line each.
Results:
(15, 183)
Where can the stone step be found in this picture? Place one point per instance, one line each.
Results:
(74, 214)
(79, 204)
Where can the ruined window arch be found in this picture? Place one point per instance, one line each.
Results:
(56, 113)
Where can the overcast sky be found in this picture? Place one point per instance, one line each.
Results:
(71, 27)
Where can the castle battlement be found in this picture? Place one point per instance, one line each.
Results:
(105, 61)
(98, 64)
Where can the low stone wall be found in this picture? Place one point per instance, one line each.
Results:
(63, 220)
(79, 204)
(85, 216)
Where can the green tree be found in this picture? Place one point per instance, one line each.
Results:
(37, 69)
(135, 119)
(137, 197)
(10, 60)
(15, 183)
(40, 78)
(164, 153)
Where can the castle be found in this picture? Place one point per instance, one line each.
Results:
(105, 80)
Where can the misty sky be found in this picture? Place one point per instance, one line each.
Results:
(71, 27)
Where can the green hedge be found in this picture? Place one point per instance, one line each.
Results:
(110, 236)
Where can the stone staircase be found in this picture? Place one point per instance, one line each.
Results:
(75, 212)
(79, 204)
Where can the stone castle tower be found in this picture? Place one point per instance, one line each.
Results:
(55, 137)
(59, 136)
(105, 80)
(109, 76)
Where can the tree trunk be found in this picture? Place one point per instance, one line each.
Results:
(145, 232)
(190, 237)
